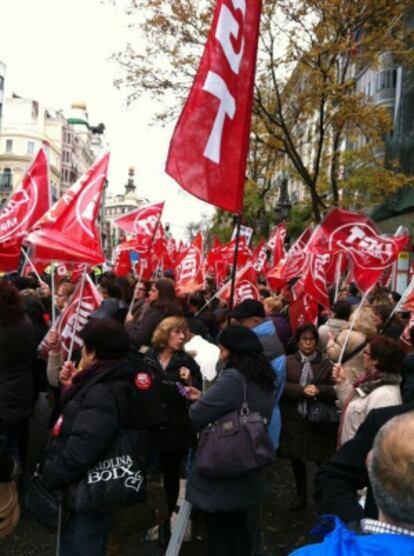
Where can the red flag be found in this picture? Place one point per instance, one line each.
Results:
(26, 205)
(143, 223)
(243, 254)
(357, 236)
(213, 256)
(276, 243)
(144, 268)
(84, 300)
(303, 310)
(68, 231)
(314, 283)
(296, 257)
(189, 275)
(208, 150)
(292, 265)
(170, 254)
(69, 323)
(260, 261)
(245, 286)
(159, 246)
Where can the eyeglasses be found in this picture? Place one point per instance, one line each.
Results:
(307, 339)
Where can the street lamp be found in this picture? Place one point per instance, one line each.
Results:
(95, 130)
(284, 204)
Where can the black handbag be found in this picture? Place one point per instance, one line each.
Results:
(321, 413)
(43, 503)
(115, 481)
(235, 444)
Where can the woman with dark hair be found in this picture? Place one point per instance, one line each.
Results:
(308, 376)
(139, 305)
(17, 357)
(197, 307)
(93, 402)
(378, 385)
(170, 367)
(163, 303)
(226, 501)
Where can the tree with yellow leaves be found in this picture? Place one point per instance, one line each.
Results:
(310, 116)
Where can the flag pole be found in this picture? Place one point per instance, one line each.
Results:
(354, 317)
(401, 302)
(29, 262)
(338, 276)
(52, 292)
(236, 254)
(72, 340)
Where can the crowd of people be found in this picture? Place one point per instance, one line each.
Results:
(163, 368)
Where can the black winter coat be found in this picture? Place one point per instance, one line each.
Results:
(298, 438)
(17, 357)
(90, 418)
(176, 429)
(340, 478)
(238, 493)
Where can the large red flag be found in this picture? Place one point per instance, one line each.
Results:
(26, 205)
(189, 274)
(68, 231)
(143, 223)
(357, 236)
(208, 151)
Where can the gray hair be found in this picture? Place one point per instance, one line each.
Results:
(391, 469)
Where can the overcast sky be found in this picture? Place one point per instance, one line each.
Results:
(57, 52)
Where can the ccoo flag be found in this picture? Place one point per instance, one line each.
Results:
(208, 151)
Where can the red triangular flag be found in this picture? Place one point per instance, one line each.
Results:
(68, 231)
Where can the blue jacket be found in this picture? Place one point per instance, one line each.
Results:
(274, 351)
(343, 542)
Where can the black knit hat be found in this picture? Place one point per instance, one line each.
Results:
(239, 339)
(248, 308)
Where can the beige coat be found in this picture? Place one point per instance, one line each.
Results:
(354, 366)
(361, 404)
(335, 326)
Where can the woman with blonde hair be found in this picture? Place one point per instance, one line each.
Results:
(273, 306)
(172, 369)
(365, 327)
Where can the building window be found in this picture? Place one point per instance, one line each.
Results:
(387, 80)
(30, 147)
(9, 145)
(6, 181)
(1, 82)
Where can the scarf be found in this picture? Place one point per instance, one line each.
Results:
(81, 377)
(306, 377)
